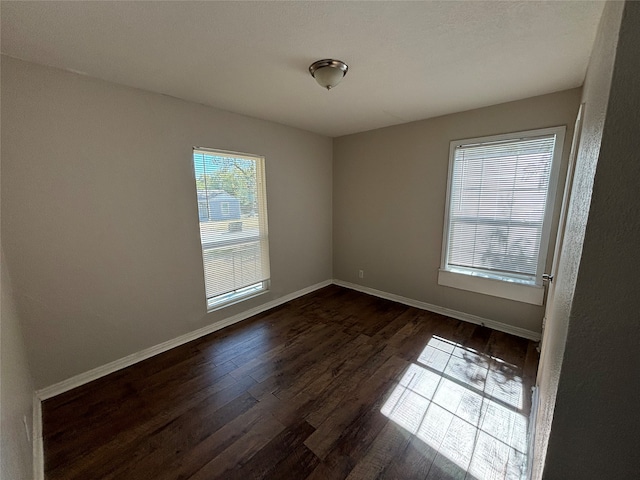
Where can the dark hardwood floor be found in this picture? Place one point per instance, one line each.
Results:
(335, 384)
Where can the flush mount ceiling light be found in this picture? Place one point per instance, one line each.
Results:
(328, 72)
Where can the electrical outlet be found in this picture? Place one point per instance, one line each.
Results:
(360, 273)
(26, 428)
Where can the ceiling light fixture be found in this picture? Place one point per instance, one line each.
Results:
(328, 72)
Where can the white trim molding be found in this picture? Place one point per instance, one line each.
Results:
(89, 376)
(531, 430)
(463, 273)
(466, 317)
(36, 438)
(94, 374)
(520, 292)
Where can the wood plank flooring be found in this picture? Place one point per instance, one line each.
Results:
(336, 384)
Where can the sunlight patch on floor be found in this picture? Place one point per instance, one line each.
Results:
(467, 406)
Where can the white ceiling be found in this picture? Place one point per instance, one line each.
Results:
(407, 60)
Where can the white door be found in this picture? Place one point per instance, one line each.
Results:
(577, 130)
(551, 282)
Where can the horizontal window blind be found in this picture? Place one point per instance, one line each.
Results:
(497, 204)
(232, 208)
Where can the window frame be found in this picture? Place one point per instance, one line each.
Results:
(510, 286)
(245, 292)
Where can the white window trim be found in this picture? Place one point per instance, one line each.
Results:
(250, 291)
(490, 283)
(237, 296)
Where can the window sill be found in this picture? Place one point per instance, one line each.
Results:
(238, 296)
(520, 292)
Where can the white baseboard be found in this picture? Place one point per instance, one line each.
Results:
(531, 431)
(36, 438)
(94, 374)
(466, 317)
(86, 377)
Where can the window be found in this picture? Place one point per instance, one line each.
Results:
(500, 199)
(232, 208)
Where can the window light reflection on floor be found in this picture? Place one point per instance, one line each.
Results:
(467, 406)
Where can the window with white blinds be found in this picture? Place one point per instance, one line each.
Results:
(232, 209)
(499, 206)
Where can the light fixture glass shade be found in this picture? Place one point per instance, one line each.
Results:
(328, 77)
(328, 73)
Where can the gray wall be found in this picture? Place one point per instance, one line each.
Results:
(595, 96)
(16, 386)
(16, 391)
(99, 216)
(594, 432)
(100, 231)
(389, 189)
